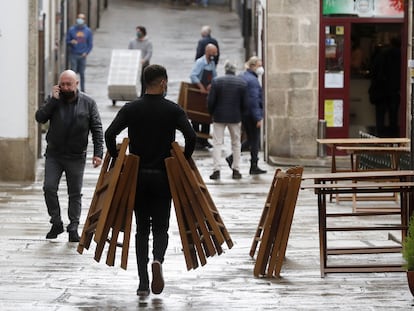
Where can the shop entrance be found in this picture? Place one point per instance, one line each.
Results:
(362, 68)
(375, 104)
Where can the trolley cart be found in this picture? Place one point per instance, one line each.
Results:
(124, 75)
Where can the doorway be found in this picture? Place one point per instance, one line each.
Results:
(375, 104)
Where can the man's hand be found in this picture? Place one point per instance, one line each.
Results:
(259, 124)
(73, 41)
(96, 161)
(56, 91)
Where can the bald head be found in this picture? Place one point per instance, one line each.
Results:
(68, 83)
(68, 74)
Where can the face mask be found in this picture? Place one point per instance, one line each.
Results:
(259, 71)
(139, 35)
(67, 94)
(212, 57)
(80, 21)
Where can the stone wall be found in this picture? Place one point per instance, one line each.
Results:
(291, 80)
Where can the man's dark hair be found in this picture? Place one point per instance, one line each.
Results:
(142, 29)
(154, 73)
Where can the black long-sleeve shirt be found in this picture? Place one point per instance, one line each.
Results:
(152, 122)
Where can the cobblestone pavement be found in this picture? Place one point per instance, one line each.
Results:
(37, 274)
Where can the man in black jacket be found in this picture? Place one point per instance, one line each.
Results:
(226, 101)
(152, 122)
(71, 115)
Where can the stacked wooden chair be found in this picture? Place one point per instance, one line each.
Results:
(272, 233)
(112, 207)
(201, 228)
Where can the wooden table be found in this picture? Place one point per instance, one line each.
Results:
(360, 182)
(334, 143)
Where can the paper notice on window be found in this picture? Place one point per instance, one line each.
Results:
(334, 112)
(334, 80)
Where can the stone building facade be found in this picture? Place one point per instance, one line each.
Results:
(291, 78)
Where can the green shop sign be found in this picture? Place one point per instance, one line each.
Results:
(365, 8)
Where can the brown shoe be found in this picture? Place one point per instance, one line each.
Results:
(157, 284)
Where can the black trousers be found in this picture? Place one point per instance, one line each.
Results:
(201, 128)
(152, 213)
(253, 137)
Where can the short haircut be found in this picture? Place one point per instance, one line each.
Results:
(229, 67)
(142, 29)
(154, 74)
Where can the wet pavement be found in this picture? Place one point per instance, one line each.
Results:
(37, 274)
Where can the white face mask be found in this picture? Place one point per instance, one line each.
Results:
(259, 70)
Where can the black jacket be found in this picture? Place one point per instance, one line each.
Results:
(152, 122)
(227, 99)
(69, 136)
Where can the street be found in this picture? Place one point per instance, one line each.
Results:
(40, 274)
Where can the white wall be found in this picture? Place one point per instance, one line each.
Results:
(14, 69)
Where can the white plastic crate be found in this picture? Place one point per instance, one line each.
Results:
(124, 75)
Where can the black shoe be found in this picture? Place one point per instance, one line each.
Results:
(74, 236)
(229, 160)
(200, 147)
(256, 171)
(215, 175)
(55, 231)
(143, 292)
(236, 174)
(157, 284)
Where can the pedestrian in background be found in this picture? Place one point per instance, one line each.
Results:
(141, 42)
(152, 122)
(206, 38)
(253, 117)
(202, 73)
(80, 42)
(227, 100)
(71, 115)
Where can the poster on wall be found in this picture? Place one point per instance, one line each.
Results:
(334, 80)
(364, 8)
(334, 112)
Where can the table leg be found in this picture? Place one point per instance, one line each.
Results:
(322, 231)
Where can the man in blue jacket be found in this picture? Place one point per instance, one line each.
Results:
(71, 115)
(253, 118)
(80, 42)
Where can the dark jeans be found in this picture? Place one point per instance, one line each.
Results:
(253, 137)
(389, 106)
(152, 211)
(74, 169)
(78, 65)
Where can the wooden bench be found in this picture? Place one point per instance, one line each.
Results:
(360, 182)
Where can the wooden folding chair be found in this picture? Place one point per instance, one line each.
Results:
(202, 230)
(281, 239)
(275, 223)
(102, 198)
(259, 231)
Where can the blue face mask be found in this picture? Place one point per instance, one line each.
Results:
(80, 21)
